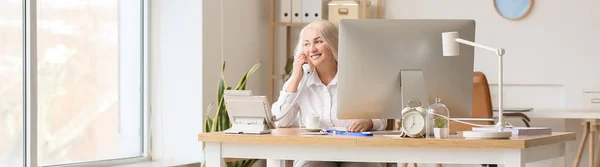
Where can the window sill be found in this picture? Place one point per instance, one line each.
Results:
(160, 164)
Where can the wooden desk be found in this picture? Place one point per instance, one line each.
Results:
(590, 121)
(288, 144)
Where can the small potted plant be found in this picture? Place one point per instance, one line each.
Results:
(440, 130)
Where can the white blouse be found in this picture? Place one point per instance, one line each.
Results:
(316, 99)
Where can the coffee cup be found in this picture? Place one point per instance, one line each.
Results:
(312, 122)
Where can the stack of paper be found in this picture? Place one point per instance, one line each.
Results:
(519, 130)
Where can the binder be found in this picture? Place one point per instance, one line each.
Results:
(285, 11)
(313, 10)
(296, 11)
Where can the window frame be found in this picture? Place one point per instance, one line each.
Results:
(30, 112)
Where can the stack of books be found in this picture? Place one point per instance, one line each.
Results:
(519, 130)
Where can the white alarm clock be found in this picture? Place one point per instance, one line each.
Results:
(413, 123)
(413, 120)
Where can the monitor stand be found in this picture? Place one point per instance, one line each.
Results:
(248, 125)
(412, 86)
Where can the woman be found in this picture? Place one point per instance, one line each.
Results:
(317, 47)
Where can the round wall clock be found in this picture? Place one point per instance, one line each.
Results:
(513, 9)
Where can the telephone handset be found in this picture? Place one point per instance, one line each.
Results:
(306, 68)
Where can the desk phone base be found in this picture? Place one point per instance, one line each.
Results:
(248, 129)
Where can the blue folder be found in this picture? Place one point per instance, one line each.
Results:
(349, 133)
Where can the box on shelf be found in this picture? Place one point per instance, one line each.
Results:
(343, 9)
(285, 11)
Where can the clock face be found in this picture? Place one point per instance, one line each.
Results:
(513, 9)
(413, 123)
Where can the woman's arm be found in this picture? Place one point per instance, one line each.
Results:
(361, 125)
(379, 124)
(284, 102)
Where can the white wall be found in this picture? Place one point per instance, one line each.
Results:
(551, 48)
(550, 56)
(176, 80)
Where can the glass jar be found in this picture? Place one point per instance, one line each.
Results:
(438, 122)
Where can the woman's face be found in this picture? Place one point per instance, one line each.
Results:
(315, 48)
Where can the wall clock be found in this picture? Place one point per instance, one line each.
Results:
(513, 9)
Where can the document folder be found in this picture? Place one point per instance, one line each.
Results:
(296, 11)
(285, 11)
(313, 10)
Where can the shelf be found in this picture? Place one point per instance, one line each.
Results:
(289, 24)
(274, 27)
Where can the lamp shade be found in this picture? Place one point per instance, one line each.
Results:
(449, 44)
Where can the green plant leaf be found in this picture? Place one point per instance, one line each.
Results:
(222, 85)
(440, 122)
(288, 67)
(242, 83)
(223, 67)
(220, 106)
(203, 163)
(248, 163)
(223, 117)
(221, 89)
(208, 125)
(208, 121)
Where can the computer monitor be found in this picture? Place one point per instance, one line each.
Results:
(382, 64)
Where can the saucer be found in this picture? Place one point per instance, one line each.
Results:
(311, 129)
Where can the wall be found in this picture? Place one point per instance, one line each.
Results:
(176, 80)
(538, 47)
(246, 42)
(549, 55)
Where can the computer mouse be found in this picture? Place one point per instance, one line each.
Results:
(339, 129)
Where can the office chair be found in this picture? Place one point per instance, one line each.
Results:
(482, 107)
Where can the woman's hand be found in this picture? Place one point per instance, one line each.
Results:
(297, 72)
(297, 69)
(360, 125)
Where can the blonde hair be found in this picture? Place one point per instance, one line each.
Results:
(328, 32)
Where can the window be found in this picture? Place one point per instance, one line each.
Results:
(90, 82)
(11, 85)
